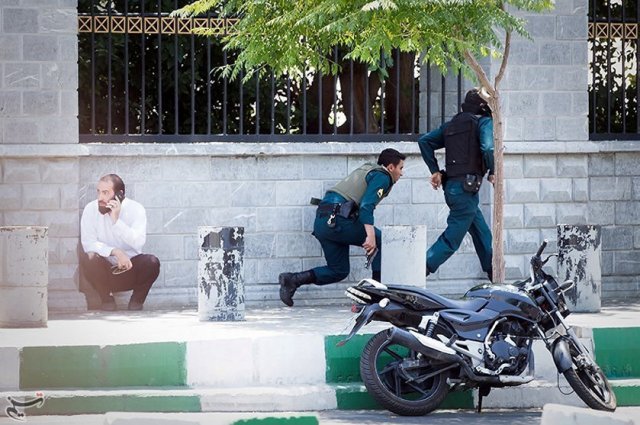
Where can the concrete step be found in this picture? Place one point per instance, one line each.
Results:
(167, 399)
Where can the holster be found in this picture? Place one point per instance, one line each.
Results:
(471, 183)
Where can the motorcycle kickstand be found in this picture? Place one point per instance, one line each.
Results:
(483, 391)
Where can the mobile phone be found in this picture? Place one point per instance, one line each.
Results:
(105, 210)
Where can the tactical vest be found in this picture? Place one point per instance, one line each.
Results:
(462, 146)
(354, 185)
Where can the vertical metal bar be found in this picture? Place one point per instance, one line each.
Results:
(413, 97)
(159, 68)
(443, 98)
(428, 96)
(257, 103)
(93, 72)
(382, 90)
(594, 106)
(288, 104)
(319, 76)
(397, 91)
(126, 68)
(273, 103)
(366, 101)
(609, 69)
(176, 78)
(351, 97)
(241, 130)
(638, 70)
(335, 91)
(109, 105)
(624, 74)
(224, 94)
(143, 94)
(459, 90)
(208, 79)
(304, 101)
(193, 84)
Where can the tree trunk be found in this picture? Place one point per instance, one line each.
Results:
(498, 190)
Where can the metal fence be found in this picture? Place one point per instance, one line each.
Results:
(145, 77)
(614, 43)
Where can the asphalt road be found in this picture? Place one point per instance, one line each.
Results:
(442, 417)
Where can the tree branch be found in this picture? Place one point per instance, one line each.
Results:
(505, 58)
(482, 76)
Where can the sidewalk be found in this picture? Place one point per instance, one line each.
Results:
(277, 360)
(125, 327)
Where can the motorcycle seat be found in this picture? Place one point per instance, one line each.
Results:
(473, 304)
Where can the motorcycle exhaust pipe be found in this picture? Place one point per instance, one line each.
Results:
(422, 344)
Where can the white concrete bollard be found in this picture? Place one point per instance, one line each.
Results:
(579, 260)
(404, 255)
(221, 273)
(24, 275)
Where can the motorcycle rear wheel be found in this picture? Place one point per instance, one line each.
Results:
(393, 385)
(591, 384)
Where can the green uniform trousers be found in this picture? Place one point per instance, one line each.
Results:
(464, 216)
(335, 246)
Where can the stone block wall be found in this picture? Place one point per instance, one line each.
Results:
(39, 72)
(614, 203)
(39, 106)
(544, 91)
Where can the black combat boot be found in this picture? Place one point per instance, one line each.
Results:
(375, 275)
(289, 282)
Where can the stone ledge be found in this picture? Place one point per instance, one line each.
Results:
(280, 149)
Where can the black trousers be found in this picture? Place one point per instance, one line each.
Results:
(97, 270)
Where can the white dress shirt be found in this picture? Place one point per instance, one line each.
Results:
(99, 234)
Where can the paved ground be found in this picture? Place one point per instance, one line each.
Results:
(123, 327)
(361, 417)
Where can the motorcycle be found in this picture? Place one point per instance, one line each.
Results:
(484, 340)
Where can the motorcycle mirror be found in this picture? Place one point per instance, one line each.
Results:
(548, 258)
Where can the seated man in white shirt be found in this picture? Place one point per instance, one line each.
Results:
(113, 230)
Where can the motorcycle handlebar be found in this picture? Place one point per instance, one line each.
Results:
(542, 247)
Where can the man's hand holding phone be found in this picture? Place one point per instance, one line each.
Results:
(123, 261)
(115, 206)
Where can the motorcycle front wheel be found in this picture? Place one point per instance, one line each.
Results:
(400, 379)
(590, 383)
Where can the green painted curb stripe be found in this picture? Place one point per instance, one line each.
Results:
(616, 351)
(626, 395)
(121, 403)
(135, 365)
(296, 420)
(356, 397)
(343, 363)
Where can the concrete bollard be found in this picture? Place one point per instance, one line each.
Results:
(24, 275)
(221, 273)
(403, 255)
(579, 260)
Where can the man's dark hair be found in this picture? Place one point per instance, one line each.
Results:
(390, 156)
(118, 184)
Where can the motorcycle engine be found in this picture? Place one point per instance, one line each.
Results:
(509, 353)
